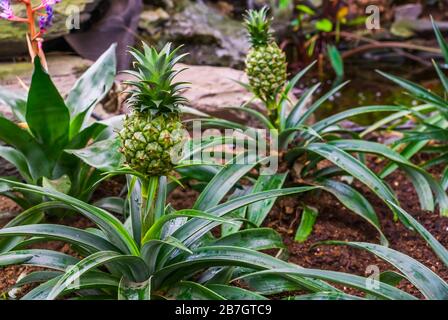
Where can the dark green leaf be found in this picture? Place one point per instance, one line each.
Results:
(102, 155)
(46, 114)
(309, 216)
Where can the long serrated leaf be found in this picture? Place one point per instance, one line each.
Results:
(429, 283)
(417, 91)
(224, 181)
(134, 291)
(319, 103)
(438, 248)
(136, 266)
(62, 233)
(255, 239)
(414, 171)
(235, 293)
(442, 42)
(39, 258)
(114, 229)
(299, 109)
(384, 291)
(231, 256)
(187, 290)
(355, 202)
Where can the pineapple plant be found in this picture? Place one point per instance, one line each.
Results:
(265, 62)
(153, 135)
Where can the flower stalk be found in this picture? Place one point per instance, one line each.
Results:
(35, 35)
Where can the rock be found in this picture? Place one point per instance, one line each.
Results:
(211, 89)
(407, 28)
(12, 35)
(209, 35)
(152, 16)
(407, 21)
(214, 88)
(115, 22)
(64, 69)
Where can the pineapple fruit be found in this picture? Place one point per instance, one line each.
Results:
(265, 62)
(153, 135)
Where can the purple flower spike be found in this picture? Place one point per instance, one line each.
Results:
(46, 21)
(6, 10)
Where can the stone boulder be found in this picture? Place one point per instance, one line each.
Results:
(209, 35)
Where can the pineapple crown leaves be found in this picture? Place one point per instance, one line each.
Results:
(154, 90)
(258, 25)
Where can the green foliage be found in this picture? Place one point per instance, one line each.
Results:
(309, 216)
(155, 92)
(336, 61)
(177, 257)
(258, 26)
(308, 147)
(430, 134)
(44, 147)
(317, 25)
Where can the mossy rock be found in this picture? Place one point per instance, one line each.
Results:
(210, 36)
(13, 34)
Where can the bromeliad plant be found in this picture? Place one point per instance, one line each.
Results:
(177, 257)
(265, 62)
(153, 135)
(321, 155)
(55, 144)
(140, 252)
(430, 134)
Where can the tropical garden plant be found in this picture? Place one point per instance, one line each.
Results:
(429, 135)
(309, 148)
(177, 256)
(140, 247)
(44, 145)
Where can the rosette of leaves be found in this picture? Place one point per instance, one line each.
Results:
(309, 148)
(327, 156)
(55, 144)
(177, 257)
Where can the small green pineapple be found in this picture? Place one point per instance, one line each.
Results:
(153, 135)
(265, 62)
